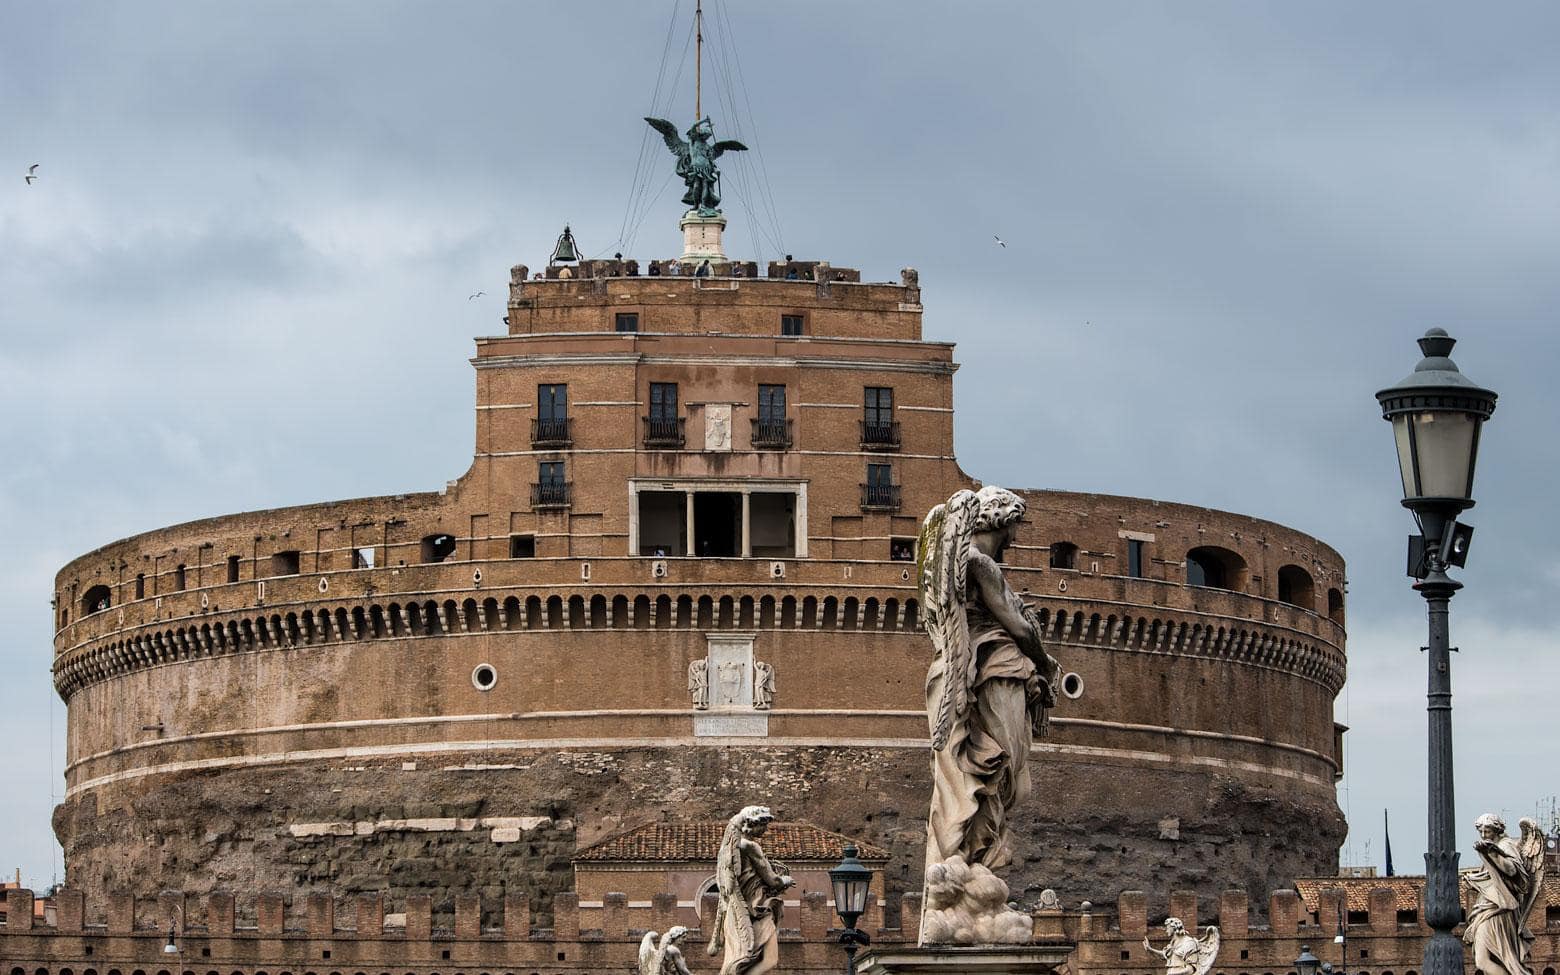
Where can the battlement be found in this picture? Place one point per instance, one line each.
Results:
(320, 932)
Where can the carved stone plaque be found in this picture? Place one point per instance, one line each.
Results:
(708, 725)
(717, 427)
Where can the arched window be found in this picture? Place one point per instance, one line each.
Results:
(1335, 605)
(1295, 587)
(437, 548)
(1215, 568)
(1064, 555)
(97, 599)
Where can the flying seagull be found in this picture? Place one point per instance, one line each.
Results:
(999, 240)
(477, 295)
(31, 173)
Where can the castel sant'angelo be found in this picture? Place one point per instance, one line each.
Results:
(680, 577)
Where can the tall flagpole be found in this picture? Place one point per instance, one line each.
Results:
(698, 61)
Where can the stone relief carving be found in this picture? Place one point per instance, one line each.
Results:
(728, 681)
(763, 686)
(1506, 884)
(699, 683)
(747, 916)
(988, 693)
(717, 426)
(1184, 954)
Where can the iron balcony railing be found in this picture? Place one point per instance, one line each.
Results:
(772, 434)
(551, 433)
(552, 494)
(880, 497)
(663, 431)
(876, 435)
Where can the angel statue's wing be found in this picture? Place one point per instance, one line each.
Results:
(668, 132)
(649, 960)
(1531, 847)
(943, 582)
(1209, 950)
(726, 145)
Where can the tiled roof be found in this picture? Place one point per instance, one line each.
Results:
(1407, 890)
(701, 841)
(1357, 891)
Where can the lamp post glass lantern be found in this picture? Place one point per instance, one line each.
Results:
(851, 881)
(1307, 963)
(1436, 415)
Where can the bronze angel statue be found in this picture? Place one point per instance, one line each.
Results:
(659, 954)
(988, 692)
(1184, 954)
(696, 161)
(1507, 882)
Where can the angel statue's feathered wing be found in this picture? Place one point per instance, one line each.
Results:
(726, 145)
(1209, 950)
(1531, 847)
(650, 954)
(673, 140)
(942, 577)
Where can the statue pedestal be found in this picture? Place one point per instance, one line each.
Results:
(1030, 959)
(701, 237)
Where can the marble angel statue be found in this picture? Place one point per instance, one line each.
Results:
(988, 692)
(1184, 954)
(747, 915)
(1506, 884)
(659, 954)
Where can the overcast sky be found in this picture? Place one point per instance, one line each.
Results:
(241, 279)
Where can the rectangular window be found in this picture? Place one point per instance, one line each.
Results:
(791, 324)
(901, 549)
(551, 490)
(552, 401)
(627, 321)
(771, 404)
(140, 586)
(363, 558)
(285, 563)
(879, 410)
(1135, 558)
(522, 546)
(550, 473)
(178, 578)
(232, 567)
(663, 402)
(880, 476)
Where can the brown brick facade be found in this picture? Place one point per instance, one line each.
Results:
(268, 699)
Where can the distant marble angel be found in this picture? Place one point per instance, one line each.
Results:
(988, 693)
(1507, 882)
(660, 955)
(1184, 954)
(747, 916)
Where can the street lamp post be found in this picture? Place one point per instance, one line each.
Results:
(851, 881)
(1436, 414)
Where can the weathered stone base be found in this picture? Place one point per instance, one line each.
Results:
(1038, 959)
(702, 237)
(510, 821)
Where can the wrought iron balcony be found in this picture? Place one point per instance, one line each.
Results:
(663, 432)
(552, 494)
(880, 497)
(551, 433)
(879, 436)
(771, 434)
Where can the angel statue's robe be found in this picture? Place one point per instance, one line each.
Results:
(750, 916)
(1494, 925)
(982, 772)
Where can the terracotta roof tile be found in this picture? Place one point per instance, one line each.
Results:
(701, 841)
(1357, 890)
